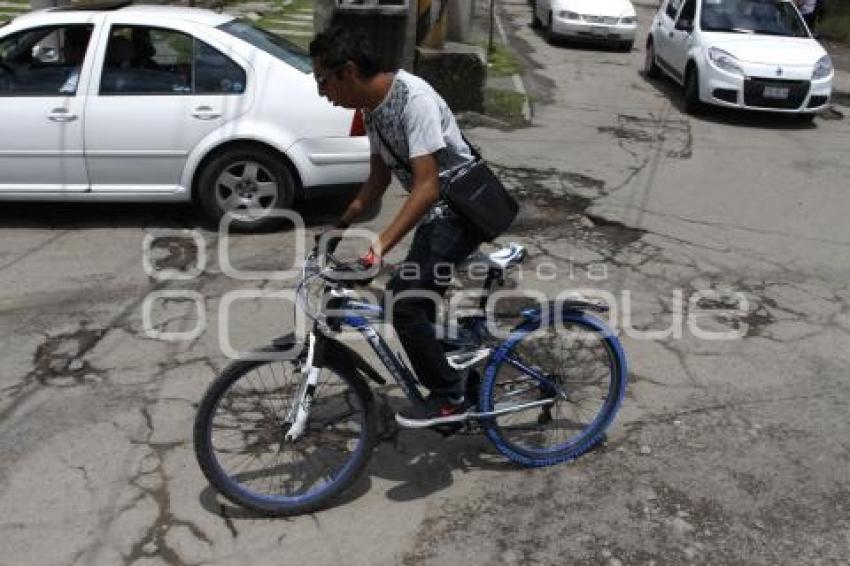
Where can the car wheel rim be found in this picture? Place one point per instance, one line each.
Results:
(649, 58)
(246, 190)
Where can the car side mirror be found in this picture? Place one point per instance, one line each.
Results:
(685, 25)
(44, 54)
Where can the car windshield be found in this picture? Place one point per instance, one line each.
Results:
(767, 17)
(284, 50)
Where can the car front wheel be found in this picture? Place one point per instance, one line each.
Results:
(248, 183)
(650, 66)
(693, 104)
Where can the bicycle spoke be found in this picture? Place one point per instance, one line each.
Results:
(574, 364)
(248, 432)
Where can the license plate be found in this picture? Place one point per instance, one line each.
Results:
(776, 92)
(599, 31)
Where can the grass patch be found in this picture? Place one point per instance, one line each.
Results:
(505, 105)
(502, 62)
(836, 23)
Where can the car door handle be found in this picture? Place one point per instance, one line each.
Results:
(205, 113)
(61, 115)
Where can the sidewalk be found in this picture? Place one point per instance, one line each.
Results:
(506, 102)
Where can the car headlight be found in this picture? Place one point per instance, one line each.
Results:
(725, 61)
(628, 20)
(567, 15)
(823, 68)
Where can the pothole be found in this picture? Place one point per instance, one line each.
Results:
(173, 252)
(555, 204)
(57, 361)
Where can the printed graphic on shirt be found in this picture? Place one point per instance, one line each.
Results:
(414, 120)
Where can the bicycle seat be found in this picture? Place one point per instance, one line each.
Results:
(502, 259)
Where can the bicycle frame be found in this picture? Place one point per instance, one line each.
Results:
(342, 309)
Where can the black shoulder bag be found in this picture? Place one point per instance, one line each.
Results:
(476, 194)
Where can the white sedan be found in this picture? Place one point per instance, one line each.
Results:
(754, 54)
(608, 21)
(154, 103)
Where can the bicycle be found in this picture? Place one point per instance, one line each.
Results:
(287, 430)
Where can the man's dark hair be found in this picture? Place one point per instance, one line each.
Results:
(338, 45)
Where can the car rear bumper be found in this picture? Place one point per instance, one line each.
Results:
(574, 29)
(791, 94)
(331, 161)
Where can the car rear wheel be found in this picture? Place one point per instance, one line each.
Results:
(693, 105)
(550, 35)
(650, 66)
(535, 21)
(250, 184)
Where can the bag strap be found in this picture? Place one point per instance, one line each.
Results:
(398, 160)
(404, 163)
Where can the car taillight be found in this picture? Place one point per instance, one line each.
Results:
(358, 127)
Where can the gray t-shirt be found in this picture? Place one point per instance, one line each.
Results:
(416, 121)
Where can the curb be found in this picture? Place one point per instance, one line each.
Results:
(516, 78)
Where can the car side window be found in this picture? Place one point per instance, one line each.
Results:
(44, 61)
(673, 8)
(143, 60)
(215, 72)
(686, 16)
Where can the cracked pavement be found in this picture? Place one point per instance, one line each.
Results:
(725, 452)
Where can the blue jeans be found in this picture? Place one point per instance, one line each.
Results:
(436, 246)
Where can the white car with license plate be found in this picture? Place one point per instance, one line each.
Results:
(606, 21)
(155, 103)
(754, 54)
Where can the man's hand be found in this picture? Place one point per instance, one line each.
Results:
(371, 259)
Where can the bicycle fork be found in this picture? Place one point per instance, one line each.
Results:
(299, 411)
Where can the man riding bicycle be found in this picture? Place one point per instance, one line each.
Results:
(405, 117)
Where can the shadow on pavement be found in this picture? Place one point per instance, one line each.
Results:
(317, 211)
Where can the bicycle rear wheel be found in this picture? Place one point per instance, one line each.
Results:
(577, 365)
(240, 440)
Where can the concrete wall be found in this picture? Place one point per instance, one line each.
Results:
(460, 17)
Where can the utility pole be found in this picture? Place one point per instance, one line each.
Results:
(492, 24)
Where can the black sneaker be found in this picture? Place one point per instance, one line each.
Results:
(436, 410)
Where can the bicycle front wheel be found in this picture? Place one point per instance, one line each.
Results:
(240, 437)
(572, 375)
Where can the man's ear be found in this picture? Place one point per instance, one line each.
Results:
(349, 70)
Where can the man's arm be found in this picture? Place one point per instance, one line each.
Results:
(424, 192)
(370, 191)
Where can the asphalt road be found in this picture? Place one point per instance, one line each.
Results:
(726, 452)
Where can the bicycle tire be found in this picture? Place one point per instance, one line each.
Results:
(280, 505)
(590, 434)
